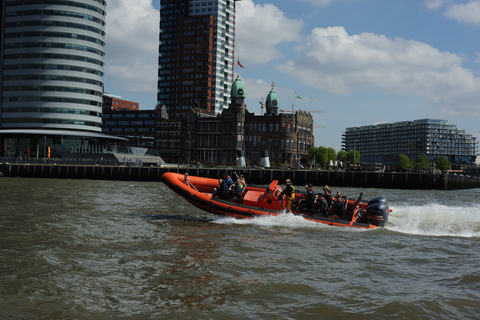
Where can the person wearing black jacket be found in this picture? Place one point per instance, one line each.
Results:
(306, 203)
(339, 205)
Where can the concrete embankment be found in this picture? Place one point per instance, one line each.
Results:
(423, 181)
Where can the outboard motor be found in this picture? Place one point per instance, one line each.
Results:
(377, 211)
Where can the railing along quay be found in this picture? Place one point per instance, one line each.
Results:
(360, 179)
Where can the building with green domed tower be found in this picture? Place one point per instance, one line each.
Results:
(202, 137)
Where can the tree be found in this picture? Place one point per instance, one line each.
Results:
(331, 155)
(342, 156)
(442, 164)
(404, 162)
(322, 155)
(423, 162)
(353, 156)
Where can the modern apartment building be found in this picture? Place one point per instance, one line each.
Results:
(196, 55)
(51, 85)
(384, 142)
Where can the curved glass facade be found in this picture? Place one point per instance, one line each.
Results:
(53, 64)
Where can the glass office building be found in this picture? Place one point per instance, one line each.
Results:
(52, 60)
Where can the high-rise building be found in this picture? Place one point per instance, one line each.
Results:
(196, 55)
(51, 85)
(384, 142)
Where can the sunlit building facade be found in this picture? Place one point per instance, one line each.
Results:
(196, 55)
(52, 65)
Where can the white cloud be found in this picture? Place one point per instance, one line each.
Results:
(132, 45)
(320, 3)
(341, 63)
(435, 4)
(467, 13)
(259, 29)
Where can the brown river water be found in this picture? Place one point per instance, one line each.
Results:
(85, 249)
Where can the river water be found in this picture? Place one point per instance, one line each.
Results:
(84, 249)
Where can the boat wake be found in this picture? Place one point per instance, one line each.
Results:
(285, 219)
(428, 220)
(436, 220)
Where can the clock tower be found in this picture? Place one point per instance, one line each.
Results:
(272, 102)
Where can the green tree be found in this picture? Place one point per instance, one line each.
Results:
(441, 163)
(353, 156)
(423, 162)
(331, 155)
(322, 155)
(404, 162)
(342, 156)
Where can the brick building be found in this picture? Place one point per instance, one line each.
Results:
(201, 136)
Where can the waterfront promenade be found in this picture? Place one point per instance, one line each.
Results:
(361, 179)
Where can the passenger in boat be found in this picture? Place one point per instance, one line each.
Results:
(327, 194)
(241, 177)
(227, 179)
(242, 180)
(321, 205)
(339, 205)
(289, 193)
(236, 189)
(221, 190)
(306, 203)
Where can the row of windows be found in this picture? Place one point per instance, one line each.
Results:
(55, 13)
(55, 77)
(174, 126)
(35, 55)
(50, 23)
(130, 123)
(168, 133)
(50, 110)
(128, 115)
(61, 2)
(30, 34)
(128, 130)
(52, 99)
(53, 88)
(53, 45)
(190, 21)
(52, 121)
(124, 104)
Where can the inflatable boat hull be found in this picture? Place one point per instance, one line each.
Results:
(256, 202)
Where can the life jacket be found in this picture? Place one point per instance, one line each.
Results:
(290, 194)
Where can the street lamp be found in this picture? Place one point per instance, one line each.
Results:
(354, 153)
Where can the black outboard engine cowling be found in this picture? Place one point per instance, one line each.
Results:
(377, 211)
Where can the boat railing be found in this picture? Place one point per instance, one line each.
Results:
(188, 183)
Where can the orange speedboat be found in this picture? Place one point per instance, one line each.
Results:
(257, 202)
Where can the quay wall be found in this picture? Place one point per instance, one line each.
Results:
(360, 179)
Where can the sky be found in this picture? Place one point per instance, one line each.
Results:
(353, 62)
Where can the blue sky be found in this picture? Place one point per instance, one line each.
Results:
(355, 62)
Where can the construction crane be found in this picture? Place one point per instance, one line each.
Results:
(293, 110)
(314, 111)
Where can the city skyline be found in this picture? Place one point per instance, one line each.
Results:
(361, 62)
